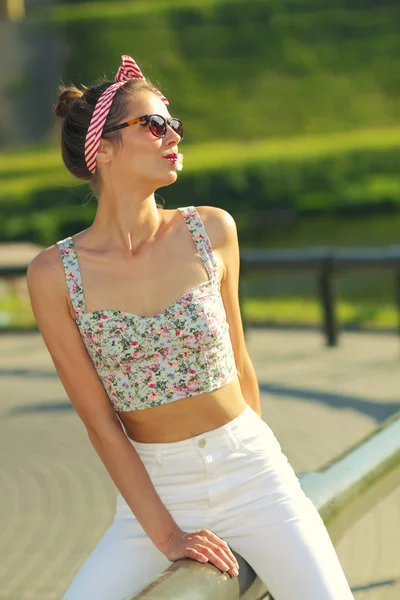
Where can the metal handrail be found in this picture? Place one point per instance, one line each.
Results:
(252, 259)
(343, 490)
(313, 257)
(325, 263)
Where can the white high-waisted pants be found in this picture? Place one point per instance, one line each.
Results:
(235, 481)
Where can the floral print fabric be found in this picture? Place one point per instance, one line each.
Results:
(147, 361)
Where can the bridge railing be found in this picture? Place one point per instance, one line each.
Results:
(323, 263)
(343, 490)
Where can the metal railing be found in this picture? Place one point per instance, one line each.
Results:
(323, 263)
(343, 491)
(345, 488)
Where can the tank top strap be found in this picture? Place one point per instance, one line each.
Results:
(202, 241)
(72, 274)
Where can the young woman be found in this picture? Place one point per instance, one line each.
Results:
(140, 314)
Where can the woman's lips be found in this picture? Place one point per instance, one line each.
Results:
(176, 159)
(172, 157)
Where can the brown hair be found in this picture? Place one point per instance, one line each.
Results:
(76, 108)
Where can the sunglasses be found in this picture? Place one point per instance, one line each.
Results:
(157, 125)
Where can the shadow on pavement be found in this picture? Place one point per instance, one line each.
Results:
(39, 408)
(28, 373)
(371, 586)
(380, 411)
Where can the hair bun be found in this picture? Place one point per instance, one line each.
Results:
(67, 96)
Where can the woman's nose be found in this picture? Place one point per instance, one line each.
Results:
(172, 136)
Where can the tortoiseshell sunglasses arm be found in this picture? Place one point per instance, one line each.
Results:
(126, 124)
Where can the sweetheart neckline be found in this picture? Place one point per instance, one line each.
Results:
(144, 317)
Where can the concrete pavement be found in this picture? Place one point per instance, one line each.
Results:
(56, 499)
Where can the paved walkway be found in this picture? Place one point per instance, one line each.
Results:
(56, 498)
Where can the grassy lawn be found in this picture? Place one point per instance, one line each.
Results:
(214, 155)
(24, 172)
(45, 161)
(106, 10)
(301, 311)
(16, 312)
(366, 300)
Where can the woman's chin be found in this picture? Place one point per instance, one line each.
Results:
(171, 177)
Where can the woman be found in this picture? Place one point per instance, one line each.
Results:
(140, 314)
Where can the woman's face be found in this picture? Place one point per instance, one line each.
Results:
(141, 157)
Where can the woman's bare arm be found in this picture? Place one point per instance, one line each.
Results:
(47, 289)
(48, 294)
(222, 230)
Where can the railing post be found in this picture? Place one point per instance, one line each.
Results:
(397, 293)
(244, 320)
(328, 296)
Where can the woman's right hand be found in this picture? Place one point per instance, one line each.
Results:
(204, 546)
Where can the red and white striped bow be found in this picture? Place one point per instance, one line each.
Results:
(129, 69)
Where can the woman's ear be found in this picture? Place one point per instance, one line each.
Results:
(105, 152)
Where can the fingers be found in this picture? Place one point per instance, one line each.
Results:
(220, 559)
(218, 552)
(196, 555)
(204, 546)
(223, 547)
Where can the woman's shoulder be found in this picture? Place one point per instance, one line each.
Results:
(46, 282)
(46, 260)
(46, 269)
(49, 260)
(219, 224)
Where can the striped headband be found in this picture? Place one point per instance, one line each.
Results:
(129, 69)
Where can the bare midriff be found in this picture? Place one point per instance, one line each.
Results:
(183, 419)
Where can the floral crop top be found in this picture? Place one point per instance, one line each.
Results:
(147, 361)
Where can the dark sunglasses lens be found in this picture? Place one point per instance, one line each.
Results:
(177, 126)
(158, 126)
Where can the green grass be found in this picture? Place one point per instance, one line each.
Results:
(105, 10)
(16, 312)
(39, 157)
(23, 186)
(305, 16)
(26, 170)
(264, 67)
(300, 311)
(354, 170)
(79, 12)
(215, 155)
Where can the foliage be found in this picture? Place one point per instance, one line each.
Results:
(290, 108)
(15, 313)
(347, 174)
(242, 70)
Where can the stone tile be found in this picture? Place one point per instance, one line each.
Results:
(57, 499)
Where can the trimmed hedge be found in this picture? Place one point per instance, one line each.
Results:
(242, 73)
(352, 179)
(239, 70)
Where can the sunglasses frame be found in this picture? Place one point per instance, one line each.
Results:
(146, 118)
